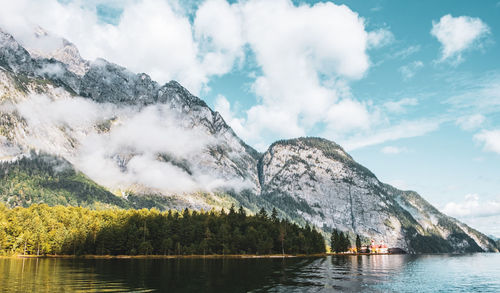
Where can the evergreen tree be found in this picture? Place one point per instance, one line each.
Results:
(41, 229)
(334, 239)
(232, 211)
(341, 243)
(274, 215)
(241, 214)
(347, 242)
(358, 243)
(262, 214)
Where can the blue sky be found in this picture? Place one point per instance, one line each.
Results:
(410, 88)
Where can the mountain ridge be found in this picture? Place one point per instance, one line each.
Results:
(310, 180)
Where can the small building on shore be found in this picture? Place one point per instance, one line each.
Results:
(378, 248)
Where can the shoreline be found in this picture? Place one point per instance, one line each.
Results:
(194, 256)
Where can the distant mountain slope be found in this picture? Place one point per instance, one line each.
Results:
(78, 133)
(316, 179)
(51, 180)
(42, 178)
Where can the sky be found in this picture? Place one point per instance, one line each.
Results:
(411, 89)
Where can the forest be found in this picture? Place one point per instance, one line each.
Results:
(340, 242)
(66, 230)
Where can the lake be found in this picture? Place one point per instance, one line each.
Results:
(379, 273)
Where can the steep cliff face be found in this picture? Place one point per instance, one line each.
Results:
(155, 145)
(316, 179)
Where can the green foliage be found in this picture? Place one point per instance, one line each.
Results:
(51, 180)
(358, 243)
(180, 163)
(41, 229)
(42, 178)
(340, 241)
(334, 240)
(290, 205)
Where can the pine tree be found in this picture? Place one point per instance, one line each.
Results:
(341, 242)
(262, 213)
(347, 242)
(274, 215)
(41, 229)
(242, 213)
(358, 244)
(334, 239)
(232, 211)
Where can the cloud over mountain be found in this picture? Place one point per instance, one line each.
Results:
(301, 76)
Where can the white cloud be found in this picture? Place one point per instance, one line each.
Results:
(400, 106)
(457, 34)
(472, 206)
(348, 115)
(409, 70)
(305, 56)
(41, 111)
(482, 214)
(218, 28)
(407, 52)
(480, 95)
(303, 73)
(380, 38)
(223, 106)
(392, 150)
(404, 129)
(470, 122)
(490, 140)
(125, 155)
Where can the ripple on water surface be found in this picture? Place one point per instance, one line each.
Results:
(382, 273)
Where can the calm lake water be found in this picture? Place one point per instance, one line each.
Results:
(379, 273)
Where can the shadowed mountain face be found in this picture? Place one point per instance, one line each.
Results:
(98, 134)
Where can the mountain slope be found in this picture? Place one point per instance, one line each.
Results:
(117, 132)
(40, 178)
(320, 182)
(114, 107)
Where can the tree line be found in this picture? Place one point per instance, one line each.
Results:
(340, 242)
(65, 230)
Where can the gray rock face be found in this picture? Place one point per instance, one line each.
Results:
(308, 180)
(107, 82)
(12, 56)
(324, 185)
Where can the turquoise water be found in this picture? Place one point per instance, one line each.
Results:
(374, 273)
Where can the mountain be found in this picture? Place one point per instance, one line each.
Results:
(119, 128)
(316, 179)
(95, 134)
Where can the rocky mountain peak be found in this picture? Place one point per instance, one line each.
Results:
(13, 56)
(47, 46)
(106, 82)
(328, 149)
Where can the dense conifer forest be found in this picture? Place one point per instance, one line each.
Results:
(64, 230)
